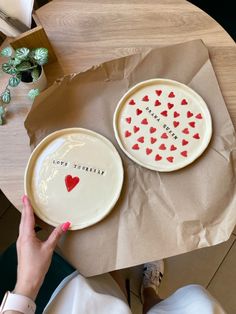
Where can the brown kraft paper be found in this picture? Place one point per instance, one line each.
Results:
(158, 214)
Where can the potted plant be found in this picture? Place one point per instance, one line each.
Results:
(23, 65)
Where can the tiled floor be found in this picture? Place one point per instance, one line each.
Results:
(213, 267)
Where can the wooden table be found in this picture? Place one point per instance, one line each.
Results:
(88, 32)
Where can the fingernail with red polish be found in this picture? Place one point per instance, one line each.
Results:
(24, 199)
(66, 226)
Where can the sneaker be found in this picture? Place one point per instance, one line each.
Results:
(152, 276)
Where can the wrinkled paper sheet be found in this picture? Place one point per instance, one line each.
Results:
(158, 214)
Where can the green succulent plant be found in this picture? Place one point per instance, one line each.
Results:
(23, 65)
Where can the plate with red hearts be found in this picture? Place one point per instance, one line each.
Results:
(74, 175)
(162, 124)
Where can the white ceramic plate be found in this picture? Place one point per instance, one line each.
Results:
(162, 124)
(74, 175)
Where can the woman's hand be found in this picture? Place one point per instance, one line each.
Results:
(34, 256)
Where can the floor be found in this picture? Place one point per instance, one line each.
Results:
(213, 267)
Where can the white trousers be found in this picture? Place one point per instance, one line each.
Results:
(102, 295)
(191, 299)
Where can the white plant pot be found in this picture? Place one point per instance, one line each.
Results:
(41, 82)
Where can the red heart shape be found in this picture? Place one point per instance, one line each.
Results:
(196, 136)
(148, 151)
(138, 111)
(173, 147)
(171, 95)
(136, 129)
(145, 98)
(164, 135)
(158, 157)
(127, 133)
(162, 147)
(132, 102)
(152, 129)
(184, 153)
(158, 92)
(144, 121)
(184, 142)
(141, 139)
(157, 103)
(198, 116)
(176, 114)
(135, 147)
(184, 102)
(169, 105)
(185, 131)
(170, 159)
(153, 140)
(189, 114)
(192, 124)
(175, 123)
(128, 120)
(164, 113)
(71, 182)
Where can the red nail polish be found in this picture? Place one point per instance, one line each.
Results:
(66, 226)
(24, 199)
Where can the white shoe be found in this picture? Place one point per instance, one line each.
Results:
(152, 276)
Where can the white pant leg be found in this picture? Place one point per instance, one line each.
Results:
(79, 295)
(191, 299)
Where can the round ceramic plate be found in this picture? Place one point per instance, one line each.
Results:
(74, 175)
(162, 124)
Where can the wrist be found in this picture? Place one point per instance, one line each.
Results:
(27, 290)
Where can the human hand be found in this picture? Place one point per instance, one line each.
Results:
(34, 256)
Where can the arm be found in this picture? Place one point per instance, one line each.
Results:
(34, 256)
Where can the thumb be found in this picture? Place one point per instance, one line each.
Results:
(56, 234)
